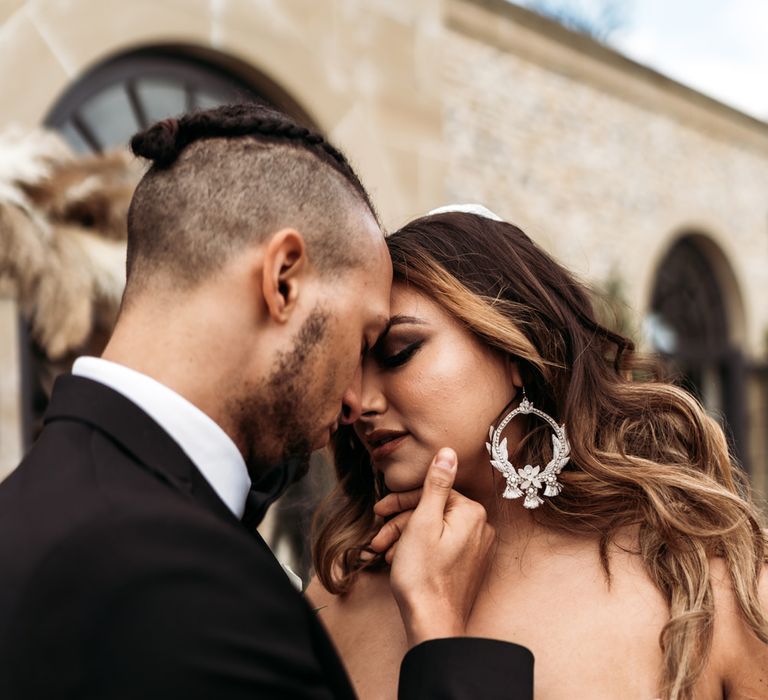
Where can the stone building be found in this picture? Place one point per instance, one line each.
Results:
(641, 185)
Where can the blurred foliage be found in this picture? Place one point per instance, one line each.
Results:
(612, 308)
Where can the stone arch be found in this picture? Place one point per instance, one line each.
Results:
(696, 322)
(714, 260)
(182, 77)
(332, 77)
(52, 47)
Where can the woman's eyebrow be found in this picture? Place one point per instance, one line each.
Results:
(400, 319)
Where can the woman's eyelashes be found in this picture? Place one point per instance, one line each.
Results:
(389, 360)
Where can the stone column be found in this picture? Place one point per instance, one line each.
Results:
(11, 429)
(757, 407)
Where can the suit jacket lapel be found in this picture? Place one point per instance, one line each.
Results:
(87, 401)
(80, 399)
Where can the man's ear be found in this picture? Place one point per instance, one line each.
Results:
(285, 267)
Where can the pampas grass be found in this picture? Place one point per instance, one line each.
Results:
(62, 238)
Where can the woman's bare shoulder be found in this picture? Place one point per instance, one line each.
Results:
(369, 598)
(364, 624)
(736, 648)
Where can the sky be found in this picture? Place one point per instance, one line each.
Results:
(718, 47)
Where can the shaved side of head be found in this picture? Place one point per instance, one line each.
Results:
(225, 179)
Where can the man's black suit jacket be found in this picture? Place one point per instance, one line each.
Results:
(123, 575)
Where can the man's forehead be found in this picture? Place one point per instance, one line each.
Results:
(377, 301)
(366, 226)
(377, 264)
(382, 322)
(376, 270)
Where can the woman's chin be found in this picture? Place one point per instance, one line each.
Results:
(404, 479)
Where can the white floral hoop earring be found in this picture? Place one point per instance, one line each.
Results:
(528, 480)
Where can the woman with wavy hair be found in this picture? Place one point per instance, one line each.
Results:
(629, 556)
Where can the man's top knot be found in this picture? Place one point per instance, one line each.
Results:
(159, 143)
(163, 142)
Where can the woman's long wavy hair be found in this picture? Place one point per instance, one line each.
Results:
(643, 453)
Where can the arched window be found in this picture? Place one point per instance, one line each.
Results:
(127, 93)
(692, 327)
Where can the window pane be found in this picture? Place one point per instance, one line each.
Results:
(161, 99)
(72, 137)
(110, 117)
(207, 100)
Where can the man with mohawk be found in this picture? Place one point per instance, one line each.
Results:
(257, 276)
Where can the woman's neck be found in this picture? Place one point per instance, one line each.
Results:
(519, 530)
(509, 517)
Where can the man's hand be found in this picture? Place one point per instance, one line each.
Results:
(438, 544)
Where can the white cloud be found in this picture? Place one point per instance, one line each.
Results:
(717, 47)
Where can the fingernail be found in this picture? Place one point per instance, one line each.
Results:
(446, 459)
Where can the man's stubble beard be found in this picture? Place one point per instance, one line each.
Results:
(278, 417)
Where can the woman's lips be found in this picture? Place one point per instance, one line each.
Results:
(383, 451)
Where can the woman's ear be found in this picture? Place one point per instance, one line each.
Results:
(517, 378)
(285, 267)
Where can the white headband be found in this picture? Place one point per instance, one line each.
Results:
(476, 209)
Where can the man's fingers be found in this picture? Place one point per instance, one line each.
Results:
(397, 502)
(390, 532)
(438, 485)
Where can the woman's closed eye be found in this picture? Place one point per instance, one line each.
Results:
(389, 359)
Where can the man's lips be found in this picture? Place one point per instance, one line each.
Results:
(382, 443)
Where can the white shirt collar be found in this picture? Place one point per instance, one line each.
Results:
(211, 450)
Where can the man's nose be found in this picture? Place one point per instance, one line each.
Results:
(350, 402)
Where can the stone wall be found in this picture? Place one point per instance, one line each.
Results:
(602, 181)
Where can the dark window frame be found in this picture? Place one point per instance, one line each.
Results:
(196, 68)
(688, 286)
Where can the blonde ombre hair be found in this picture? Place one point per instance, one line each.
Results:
(644, 453)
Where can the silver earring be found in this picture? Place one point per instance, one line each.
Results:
(528, 480)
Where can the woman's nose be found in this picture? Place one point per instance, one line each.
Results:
(364, 397)
(373, 401)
